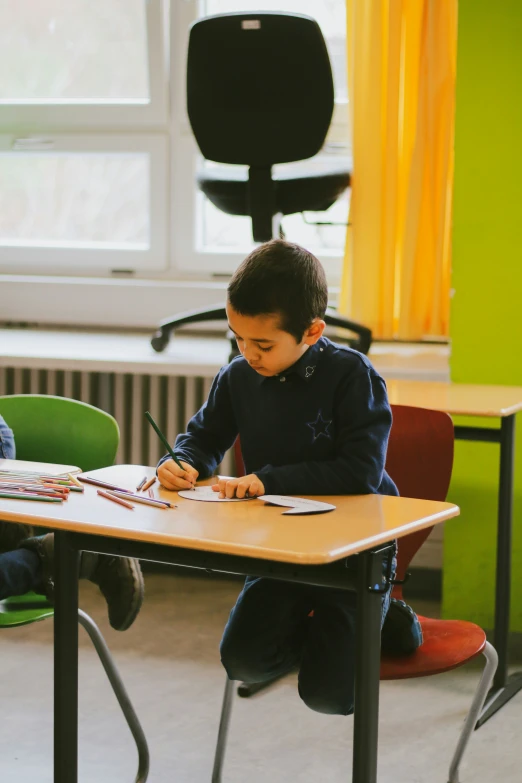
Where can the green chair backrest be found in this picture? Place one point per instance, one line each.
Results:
(60, 430)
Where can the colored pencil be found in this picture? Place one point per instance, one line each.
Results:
(57, 487)
(35, 490)
(115, 499)
(142, 482)
(141, 499)
(27, 496)
(46, 494)
(163, 439)
(135, 496)
(149, 484)
(105, 484)
(75, 480)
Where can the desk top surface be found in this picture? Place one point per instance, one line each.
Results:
(250, 529)
(466, 399)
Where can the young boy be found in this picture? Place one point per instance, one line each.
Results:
(313, 418)
(27, 563)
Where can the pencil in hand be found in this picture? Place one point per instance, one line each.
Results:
(164, 440)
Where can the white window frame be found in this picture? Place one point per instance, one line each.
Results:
(90, 114)
(63, 259)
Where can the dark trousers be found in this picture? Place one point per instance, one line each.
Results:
(270, 632)
(19, 573)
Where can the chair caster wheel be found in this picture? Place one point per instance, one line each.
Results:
(159, 342)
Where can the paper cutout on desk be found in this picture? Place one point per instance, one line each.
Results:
(298, 505)
(207, 494)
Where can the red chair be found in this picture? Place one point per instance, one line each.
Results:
(420, 461)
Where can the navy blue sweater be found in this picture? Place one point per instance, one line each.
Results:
(319, 428)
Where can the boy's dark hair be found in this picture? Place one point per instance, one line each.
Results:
(281, 278)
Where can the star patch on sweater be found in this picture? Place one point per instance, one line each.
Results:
(320, 426)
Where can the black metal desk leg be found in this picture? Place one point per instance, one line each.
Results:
(504, 688)
(367, 669)
(503, 575)
(65, 660)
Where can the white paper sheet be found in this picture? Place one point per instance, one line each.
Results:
(208, 495)
(298, 505)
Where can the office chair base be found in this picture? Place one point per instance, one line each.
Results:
(161, 337)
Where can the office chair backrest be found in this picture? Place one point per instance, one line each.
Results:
(259, 88)
(420, 461)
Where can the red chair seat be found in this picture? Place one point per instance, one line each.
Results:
(447, 644)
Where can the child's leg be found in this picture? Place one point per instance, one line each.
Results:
(266, 629)
(326, 676)
(119, 578)
(20, 572)
(12, 533)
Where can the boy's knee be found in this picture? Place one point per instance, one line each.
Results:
(241, 661)
(328, 702)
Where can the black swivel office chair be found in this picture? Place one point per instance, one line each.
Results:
(260, 92)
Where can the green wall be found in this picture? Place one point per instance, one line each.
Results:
(486, 313)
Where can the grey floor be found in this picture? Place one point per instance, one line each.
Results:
(169, 661)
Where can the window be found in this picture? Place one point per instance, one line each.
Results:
(83, 202)
(82, 63)
(84, 136)
(97, 158)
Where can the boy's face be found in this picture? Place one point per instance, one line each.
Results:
(267, 348)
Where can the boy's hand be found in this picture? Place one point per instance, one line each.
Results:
(172, 477)
(249, 485)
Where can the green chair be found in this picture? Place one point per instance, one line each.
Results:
(56, 429)
(68, 432)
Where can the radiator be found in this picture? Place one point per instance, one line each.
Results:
(171, 399)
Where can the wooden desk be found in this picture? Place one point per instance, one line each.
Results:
(458, 399)
(244, 538)
(504, 402)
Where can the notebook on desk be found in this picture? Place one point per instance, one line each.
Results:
(23, 466)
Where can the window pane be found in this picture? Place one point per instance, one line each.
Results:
(330, 14)
(73, 51)
(77, 200)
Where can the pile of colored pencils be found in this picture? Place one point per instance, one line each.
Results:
(25, 485)
(124, 496)
(22, 485)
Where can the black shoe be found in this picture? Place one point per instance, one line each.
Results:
(119, 579)
(121, 583)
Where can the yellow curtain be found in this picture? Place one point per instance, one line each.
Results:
(401, 69)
